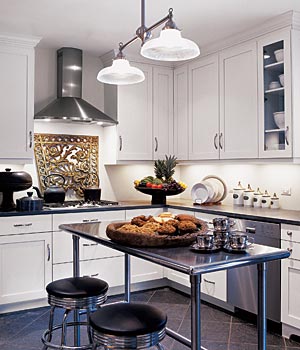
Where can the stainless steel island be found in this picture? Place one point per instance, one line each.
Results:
(184, 260)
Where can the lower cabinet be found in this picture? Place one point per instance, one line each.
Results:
(141, 270)
(214, 284)
(290, 281)
(26, 267)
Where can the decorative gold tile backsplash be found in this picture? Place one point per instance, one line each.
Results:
(73, 156)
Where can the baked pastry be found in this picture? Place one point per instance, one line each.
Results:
(187, 217)
(187, 227)
(128, 228)
(166, 229)
(140, 220)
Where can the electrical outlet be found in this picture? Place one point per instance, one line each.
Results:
(287, 191)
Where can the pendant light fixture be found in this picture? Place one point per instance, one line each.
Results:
(169, 46)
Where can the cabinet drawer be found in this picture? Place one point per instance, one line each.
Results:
(136, 212)
(215, 284)
(290, 232)
(110, 270)
(293, 248)
(95, 216)
(25, 224)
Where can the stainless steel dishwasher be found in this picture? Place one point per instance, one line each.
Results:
(242, 282)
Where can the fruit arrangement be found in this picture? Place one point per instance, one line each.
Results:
(163, 180)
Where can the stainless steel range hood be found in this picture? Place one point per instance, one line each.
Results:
(69, 106)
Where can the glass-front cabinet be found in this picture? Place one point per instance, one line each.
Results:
(274, 72)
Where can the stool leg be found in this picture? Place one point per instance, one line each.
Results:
(88, 326)
(160, 347)
(50, 327)
(64, 327)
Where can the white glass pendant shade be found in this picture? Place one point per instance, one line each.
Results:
(120, 73)
(170, 46)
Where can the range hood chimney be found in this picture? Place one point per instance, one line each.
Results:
(69, 106)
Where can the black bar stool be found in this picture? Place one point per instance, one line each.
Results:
(74, 293)
(128, 326)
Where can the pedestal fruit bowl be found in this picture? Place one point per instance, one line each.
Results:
(162, 184)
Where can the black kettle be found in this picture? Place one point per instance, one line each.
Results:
(53, 193)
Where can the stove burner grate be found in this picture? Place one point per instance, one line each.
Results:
(79, 204)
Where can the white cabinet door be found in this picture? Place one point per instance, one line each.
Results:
(181, 140)
(135, 118)
(26, 267)
(16, 99)
(142, 270)
(238, 102)
(204, 109)
(162, 112)
(290, 284)
(275, 142)
(214, 284)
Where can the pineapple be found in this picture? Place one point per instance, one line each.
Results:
(170, 164)
(159, 168)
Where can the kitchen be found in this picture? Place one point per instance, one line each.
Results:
(116, 180)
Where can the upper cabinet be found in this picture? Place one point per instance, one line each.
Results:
(238, 102)
(162, 112)
(16, 98)
(181, 149)
(204, 109)
(275, 90)
(145, 117)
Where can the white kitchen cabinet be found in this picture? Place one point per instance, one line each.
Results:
(290, 281)
(181, 139)
(141, 270)
(162, 112)
(62, 241)
(16, 98)
(203, 119)
(238, 102)
(275, 141)
(26, 267)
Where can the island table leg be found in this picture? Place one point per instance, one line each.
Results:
(261, 316)
(127, 277)
(76, 273)
(195, 314)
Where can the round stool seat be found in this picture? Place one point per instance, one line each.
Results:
(77, 287)
(128, 320)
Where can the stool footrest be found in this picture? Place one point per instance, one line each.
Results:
(64, 347)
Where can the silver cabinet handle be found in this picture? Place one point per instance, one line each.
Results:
(23, 225)
(90, 220)
(250, 229)
(30, 139)
(220, 140)
(215, 141)
(289, 233)
(121, 143)
(89, 245)
(208, 281)
(290, 250)
(95, 274)
(49, 252)
(156, 144)
(286, 136)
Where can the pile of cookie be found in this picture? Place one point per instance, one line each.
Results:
(164, 224)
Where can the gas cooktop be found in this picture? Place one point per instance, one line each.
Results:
(79, 204)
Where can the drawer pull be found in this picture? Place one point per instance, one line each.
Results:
(89, 220)
(23, 225)
(290, 250)
(95, 275)
(208, 281)
(250, 229)
(289, 233)
(89, 245)
(49, 252)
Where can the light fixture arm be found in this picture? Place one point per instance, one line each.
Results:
(143, 31)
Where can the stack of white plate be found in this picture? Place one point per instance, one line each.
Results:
(211, 189)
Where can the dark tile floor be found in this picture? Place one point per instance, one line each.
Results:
(220, 330)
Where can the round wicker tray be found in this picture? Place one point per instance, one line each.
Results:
(151, 240)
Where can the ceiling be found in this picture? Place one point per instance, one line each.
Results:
(97, 26)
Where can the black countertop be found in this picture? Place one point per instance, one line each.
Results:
(240, 212)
